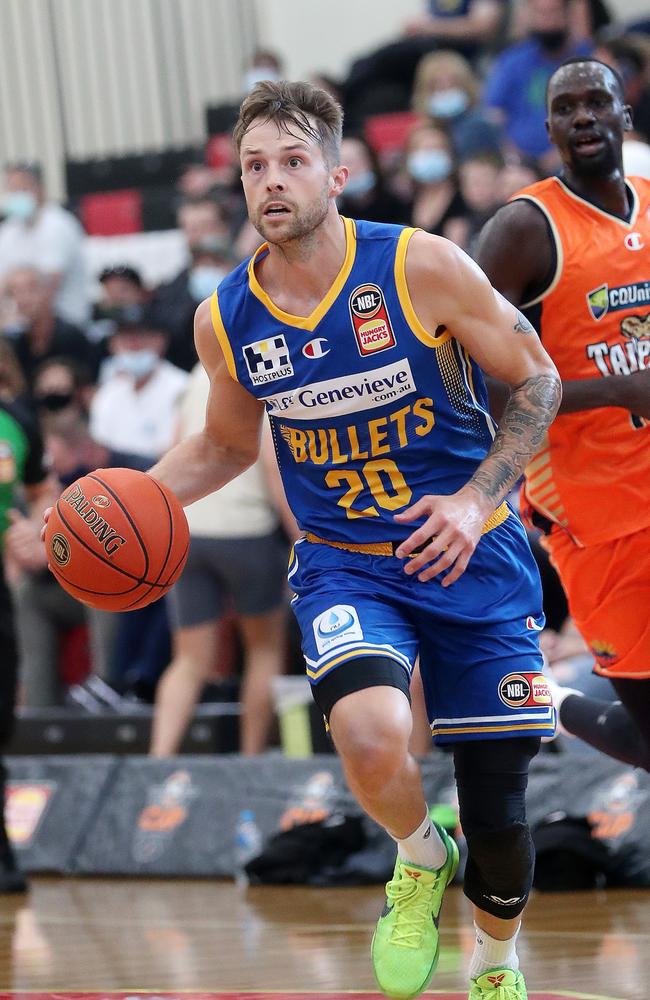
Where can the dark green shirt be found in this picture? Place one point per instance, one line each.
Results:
(21, 456)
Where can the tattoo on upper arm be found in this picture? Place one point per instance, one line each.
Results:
(522, 325)
(528, 413)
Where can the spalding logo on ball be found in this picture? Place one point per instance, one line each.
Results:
(117, 539)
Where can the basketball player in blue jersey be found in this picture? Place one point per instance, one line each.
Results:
(364, 345)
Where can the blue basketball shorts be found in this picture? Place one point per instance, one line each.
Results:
(477, 640)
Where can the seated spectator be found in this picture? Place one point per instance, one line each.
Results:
(61, 394)
(236, 555)
(431, 171)
(447, 90)
(134, 408)
(517, 173)
(264, 65)
(479, 180)
(630, 56)
(203, 224)
(39, 333)
(365, 195)
(41, 234)
(13, 387)
(516, 84)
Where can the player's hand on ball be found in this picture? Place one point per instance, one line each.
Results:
(46, 517)
(448, 537)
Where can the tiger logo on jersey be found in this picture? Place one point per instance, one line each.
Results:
(370, 320)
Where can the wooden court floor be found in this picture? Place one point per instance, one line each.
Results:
(110, 936)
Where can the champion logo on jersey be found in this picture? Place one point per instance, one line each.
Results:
(370, 320)
(634, 241)
(316, 348)
(268, 360)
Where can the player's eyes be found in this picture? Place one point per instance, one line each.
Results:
(295, 161)
(255, 167)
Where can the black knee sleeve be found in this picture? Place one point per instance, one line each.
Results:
(492, 777)
(499, 872)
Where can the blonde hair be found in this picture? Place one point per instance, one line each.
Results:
(308, 109)
(434, 65)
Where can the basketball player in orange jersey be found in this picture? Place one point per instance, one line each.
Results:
(362, 343)
(574, 253)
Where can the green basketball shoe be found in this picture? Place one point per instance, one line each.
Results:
(498, 984)
(405, 944)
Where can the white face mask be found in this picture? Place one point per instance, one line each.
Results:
(257, 73)
(450, 103)
(19, 205)
(204, 279)
(138, 364)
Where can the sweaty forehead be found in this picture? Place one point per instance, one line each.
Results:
(578, 77)
(263, 133)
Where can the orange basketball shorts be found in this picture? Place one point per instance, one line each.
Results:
(608, 588)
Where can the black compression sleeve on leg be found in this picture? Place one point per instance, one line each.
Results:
(613, 728)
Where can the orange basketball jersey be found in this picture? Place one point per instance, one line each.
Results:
(592, 474)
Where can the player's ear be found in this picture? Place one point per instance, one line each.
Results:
(627, 118)
(337, 181)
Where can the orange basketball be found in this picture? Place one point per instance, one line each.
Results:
(117, 539)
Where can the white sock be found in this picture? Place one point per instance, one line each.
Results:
(423, 847)
(559, 693)
(492, 954)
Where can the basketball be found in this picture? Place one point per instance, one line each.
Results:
(117, 539)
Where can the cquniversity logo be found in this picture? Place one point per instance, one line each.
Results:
(598, 302)
(337, 626)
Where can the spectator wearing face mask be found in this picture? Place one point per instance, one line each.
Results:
(134, 408)
(431, 174)
(36, 330)
(41, 234)
(478, 177)
(210, 258)
(264, 65)
(447, 91)
(365, 195)
(516, 85)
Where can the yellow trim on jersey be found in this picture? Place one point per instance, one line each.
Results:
(452, 730)
(491, 423)
(601, 211)
(222, 336)
(351, 654)
(307, 322)
(423, 335)
(559, 252)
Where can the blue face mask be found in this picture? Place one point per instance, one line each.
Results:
(448, 103)
(427, 166)
(203, 280)
(19, 205)
(357, 186)
(138, 364)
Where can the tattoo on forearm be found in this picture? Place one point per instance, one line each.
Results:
(522, 325)
(530, 409)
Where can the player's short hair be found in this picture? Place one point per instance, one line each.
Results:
(300, 105)
(586, 59)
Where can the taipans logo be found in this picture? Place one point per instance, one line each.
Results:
(100, 500)
(268, 360)
(524, 690)
(336, 626)
(604, 299)
(347, 394)
(634, 241)
(60, 549)
(604, 653)
(316, 348)
(636, 327)
(370, 320)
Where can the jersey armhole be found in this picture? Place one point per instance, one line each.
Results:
(222, 336)
(410, 315)
(537, 294)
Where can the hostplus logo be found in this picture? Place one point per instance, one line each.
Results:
(603, 300)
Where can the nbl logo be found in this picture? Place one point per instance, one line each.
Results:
(268, 360)
(370, 320)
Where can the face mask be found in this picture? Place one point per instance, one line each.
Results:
(138, 364)
(257, 73)
(551, 41)
(448, 103)
(429, 165)
(54, 401)
(19, 205)
(357, 186)
(204, 280)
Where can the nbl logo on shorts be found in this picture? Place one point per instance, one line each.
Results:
(525, 690)
(268, 360)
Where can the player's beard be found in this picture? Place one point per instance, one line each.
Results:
(605, 164)
(301, 223)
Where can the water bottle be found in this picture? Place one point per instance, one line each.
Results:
(248, 843)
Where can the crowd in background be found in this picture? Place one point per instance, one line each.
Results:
(443, 126)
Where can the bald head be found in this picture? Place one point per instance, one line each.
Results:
(577, 72)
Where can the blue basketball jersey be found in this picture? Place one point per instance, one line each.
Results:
(369, 410)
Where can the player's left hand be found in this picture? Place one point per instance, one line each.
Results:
(448, 537)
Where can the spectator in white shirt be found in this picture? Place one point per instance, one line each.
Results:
(41, 234)
(134, 411)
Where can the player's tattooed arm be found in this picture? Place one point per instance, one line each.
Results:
(522, 325)
(529, 411)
